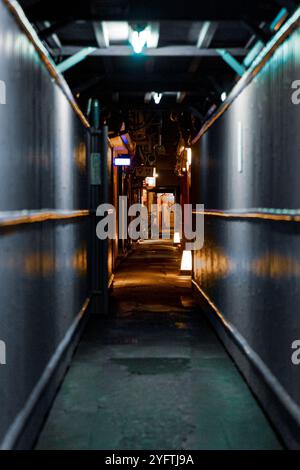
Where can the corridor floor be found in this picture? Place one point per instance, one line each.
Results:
(154, 375)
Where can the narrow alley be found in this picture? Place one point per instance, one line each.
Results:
(154, 374)
(150, 231)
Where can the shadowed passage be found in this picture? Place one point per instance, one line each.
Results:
(153, 375)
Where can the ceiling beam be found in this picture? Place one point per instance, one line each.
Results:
(54, 38)
(205, 37)
(206, 34)
(232, 62)
(180, 96)
(75, 59)
(102, 39)
(169, 51)
(54, 28)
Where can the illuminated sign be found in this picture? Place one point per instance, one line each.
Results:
(122, 161)
(151, 181)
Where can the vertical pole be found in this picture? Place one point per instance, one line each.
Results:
(96, 258)
(106, 199)
(184, 197)
(98, 194)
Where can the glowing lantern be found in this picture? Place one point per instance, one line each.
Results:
(176, 237)
(186, 261)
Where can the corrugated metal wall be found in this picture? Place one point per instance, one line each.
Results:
(43, 266)
(250, 268)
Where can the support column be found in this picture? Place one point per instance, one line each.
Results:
(98, 194)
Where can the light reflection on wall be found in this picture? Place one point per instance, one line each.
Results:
(211, 264)
(8, 42)
(63, 167)
(275, 266)
(236, 173)
(79, 261)
(80, 157)
(39, 264)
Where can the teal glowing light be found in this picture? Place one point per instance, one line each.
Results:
(254, 51)
(284, 28)
(274, 25)
(75, 59)
(139, 40)
(230, 60)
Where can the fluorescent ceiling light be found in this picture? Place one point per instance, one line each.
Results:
(148, 37)
(138, 40)
(153, 35)
(116, 31)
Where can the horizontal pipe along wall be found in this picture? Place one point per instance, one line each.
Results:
(43, 265)
(249, 267)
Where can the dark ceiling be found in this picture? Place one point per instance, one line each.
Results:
(185, 65)
(112, 10)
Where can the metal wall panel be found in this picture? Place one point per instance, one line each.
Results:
(43, 266)
(250, 269)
